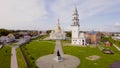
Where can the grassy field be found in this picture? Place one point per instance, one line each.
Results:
(5, 56)
(36, 49)
(21, 63)
(82, 52)
(42, 37)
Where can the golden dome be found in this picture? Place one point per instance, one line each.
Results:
(58, 28)
(9, 35)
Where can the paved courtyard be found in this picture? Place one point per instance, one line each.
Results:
(50, 62)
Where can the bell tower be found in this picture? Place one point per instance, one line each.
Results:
(75, 25)
(78, 37)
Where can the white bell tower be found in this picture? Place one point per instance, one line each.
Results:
(75, 25)
(77, 37)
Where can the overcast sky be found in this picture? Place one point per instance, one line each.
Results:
(102, 15)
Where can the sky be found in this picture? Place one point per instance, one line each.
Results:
(98, 15)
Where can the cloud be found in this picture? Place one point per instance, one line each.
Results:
(43, 14)
(87, 9)
(62, 8)
(15, 12)
(117, 24)
(114, 27)
(90, 8)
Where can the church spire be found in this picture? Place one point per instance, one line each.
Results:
(58, 23)
(75, 11)
(75, 18)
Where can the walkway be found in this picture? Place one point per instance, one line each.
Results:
(50, 62)
(13, 58)
(1, 46)
(58, 47)
(116, 47)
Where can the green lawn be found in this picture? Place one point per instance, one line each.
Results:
(12, 44)
(42, 37)
(5, 57)
(36, 49)
(21, 63)
(83, 52)
(117, 42)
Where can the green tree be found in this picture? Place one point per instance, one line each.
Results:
(48, 31)
(68, 34)
(104, 39)
(4, 32)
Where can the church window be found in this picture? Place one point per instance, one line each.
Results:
(82, 40)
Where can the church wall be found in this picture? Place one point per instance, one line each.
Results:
(78, 41)
(55, 36)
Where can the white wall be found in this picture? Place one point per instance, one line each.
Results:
(75, 32)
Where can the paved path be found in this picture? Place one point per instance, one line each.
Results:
(50, 62)
(116, 47)
(13, 58)
(58, 47)
(1, 46)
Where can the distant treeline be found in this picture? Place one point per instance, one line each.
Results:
(4, 32)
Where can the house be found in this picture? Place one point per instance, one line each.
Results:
(4, 39)
(93, 37)
(7, 39)
(11, 37)
(43, 33)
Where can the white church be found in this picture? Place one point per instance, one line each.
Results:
(57, 33)
(77, 37)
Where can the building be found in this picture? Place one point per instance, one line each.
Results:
(107, 34)
(7, 39)
(11, 37)
(93, 37)
(58, 33)
(4, 39)
(43, 33)
(116, 38)
(78, 38)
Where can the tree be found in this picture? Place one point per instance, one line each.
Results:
(104, 39)
(4, 32)
(68, 34)
(48, 31)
